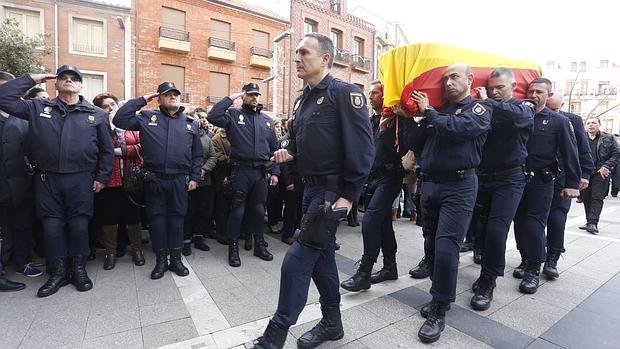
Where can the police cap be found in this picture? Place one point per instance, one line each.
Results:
(68, 68)
(251, 88)
(167, 87)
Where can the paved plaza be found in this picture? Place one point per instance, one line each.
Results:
(218, 306)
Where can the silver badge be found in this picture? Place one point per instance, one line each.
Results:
(545, 122)
(241, 122)
(320, 100)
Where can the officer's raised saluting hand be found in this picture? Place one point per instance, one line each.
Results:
(149, 96)
(281, 155)
(236, 95)
(482, 92)
(41, 78)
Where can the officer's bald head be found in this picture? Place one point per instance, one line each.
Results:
(554, 102)
(456, 81)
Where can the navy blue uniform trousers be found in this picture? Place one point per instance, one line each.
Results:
(249, 193)
(377, 230)
(496, 206)
(447, 209)
(302, 263)
(65, 199)
(166, 206)
(531, 219)
(556, 223)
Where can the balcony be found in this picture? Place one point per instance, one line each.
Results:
(341, 58)
(260, 57)
(606, 91)
(360, 63)
(223, 50)
(174, 40)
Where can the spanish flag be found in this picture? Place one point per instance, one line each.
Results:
(420, 67)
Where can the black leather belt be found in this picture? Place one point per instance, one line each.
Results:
(493, 176)
(450, 176)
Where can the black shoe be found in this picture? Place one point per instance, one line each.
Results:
(29, 270)
(388, 272)
(7, 285)
(288, 240)
(467, 246)
(59, 277)
(199, 243)
(529, 284)
(161, 264)
(92, 256)
(550, 269)
(477, 256)
(328, 329)
(261, 252)
(80, 278)
(121, 252)
(187, 249)
(426, 309)
(519, 271)
(592, 228)
(484, 292)
(584, 227)
(247, 244)
(109, 262)
(274, 337)
(337, 247)
(233, 253)
(421, 271)
(435, 323)
(361, 279)
(222, 240)
(176, 263)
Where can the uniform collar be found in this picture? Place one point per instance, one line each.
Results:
(465, 101)
(81, 105)
(545, 112)
(259, 108)
(181, 110)
(322, 85)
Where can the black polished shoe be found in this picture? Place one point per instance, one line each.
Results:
(529, 284)
(7, 285)
(109, 262)
(388, 272)
(187, 248)
(199, 243)
(161, 264)
(233, 253)
(584, 227)
(59, 277)
(484, 292)
(176, 263)
(328, 329)
(80, 278)
(261, 252)
(247, 243)
(421, 271)
(426, 309)
(361, 279)
(550, 269)
(477, 256)
(120, 252)
(519, 271)
(435, 323)
(592, 228)
(274, 337)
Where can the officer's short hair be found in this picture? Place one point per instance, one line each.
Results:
(98, 100)
(545, 81)
(376, 82)
(594, 117)
(326, 45)
(32, 93)
(6, 76)
(501, 71)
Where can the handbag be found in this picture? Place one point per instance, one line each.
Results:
(133, 178)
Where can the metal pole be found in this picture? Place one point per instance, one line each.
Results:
(275, 72)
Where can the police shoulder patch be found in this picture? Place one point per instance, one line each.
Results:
(479, 109)
(357, 100)
(528, 103)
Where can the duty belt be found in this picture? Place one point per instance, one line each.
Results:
(493, 176)
(451, 176)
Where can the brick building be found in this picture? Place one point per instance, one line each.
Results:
(92, 35)
(353, 39)
(208, 48)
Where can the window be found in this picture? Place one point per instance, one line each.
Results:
(583, 88)
(604, 63)
(608, 125)
(29, 21)
(603, 87)
(575, 108)
(582, 66)
(310, 26)
(336, 36)
(260, 39)
(92, 85)
(219, 86)
(573, 66)
(603, 107)
(220, 30)
(569, 87)
(173, 19)
(173, 73)
(334, 5)
(358, 46)
(88, 37)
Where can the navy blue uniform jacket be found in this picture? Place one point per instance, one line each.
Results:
(583, 146)
(64, 138)
(170, 143)
(331, 134)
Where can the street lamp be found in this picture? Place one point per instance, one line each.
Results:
(274, 68)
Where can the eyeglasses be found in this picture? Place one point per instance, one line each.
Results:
(68, 77)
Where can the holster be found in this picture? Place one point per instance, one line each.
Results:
(317, 229)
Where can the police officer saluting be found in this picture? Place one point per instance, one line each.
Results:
(72, 149)
(448, 143)
(173, 157)
(331, 140)
(253, 139)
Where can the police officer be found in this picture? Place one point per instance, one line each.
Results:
(448, 143)
(384, 184)
(331, 139)
(252, 141)
(560, 206)
(72, 149)
(501, 177)
(173, 157)
(553, 135)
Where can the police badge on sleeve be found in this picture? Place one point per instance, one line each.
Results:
(478, 109)
(357, 100)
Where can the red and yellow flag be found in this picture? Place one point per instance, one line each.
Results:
(420, 67)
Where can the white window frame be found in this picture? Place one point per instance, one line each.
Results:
(95, 72)
(41, 12)
(105, 35)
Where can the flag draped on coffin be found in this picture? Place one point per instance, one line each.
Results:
(420, 66)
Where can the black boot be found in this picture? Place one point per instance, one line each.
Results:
(483, 292)
(519, 271)
(187, 248)
(260, 250)
(161, 264)
(426, 309)
(80, 278)
(199, 243)
(7, 285)
(529, 284)
(233, 253)
(176, 264)
(477, 256)
(59, 277)
(421, 271)
(434, 324)
(328, 329)
(551, 264)
(361, 279)
(388, 272)
(273, 337)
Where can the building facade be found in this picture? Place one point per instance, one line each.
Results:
(209, 49)
(589, 88)
(91, 35)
